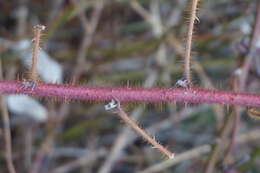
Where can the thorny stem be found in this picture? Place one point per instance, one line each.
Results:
(36, 48)
(126, 94)
(187, 59)
(123, 115)
(89, 29)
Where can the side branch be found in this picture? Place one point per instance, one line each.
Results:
(187, 59)
(186, 95)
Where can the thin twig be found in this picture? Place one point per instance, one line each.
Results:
(207, 83)
(45, 148)
(216, 151)
(234, 131)
(89, 28)
(36, 48)
(126, 135)
(193, 153)
(254, 44)
(89, 31)
(121, 142)
(236, 122)
(123, 115)
(198, 151)
(82, 161)
(187, 59)
(141, 11)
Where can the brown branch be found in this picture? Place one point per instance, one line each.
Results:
(7, 131)
(123, 115)
(252, 51)
(187, 59)
(36, 48)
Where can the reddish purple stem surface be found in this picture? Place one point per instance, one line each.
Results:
(123, 94)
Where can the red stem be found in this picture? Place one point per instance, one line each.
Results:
(186, 95)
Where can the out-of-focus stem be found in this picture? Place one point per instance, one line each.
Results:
(252, 51)
(7, 131)
(216, 151)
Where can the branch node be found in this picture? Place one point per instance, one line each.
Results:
(28, 85)
(172, 156)
(40, 27)
(112, 105)
(184, 83)
(197, 19)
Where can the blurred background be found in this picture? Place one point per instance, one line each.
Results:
(136, 44)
